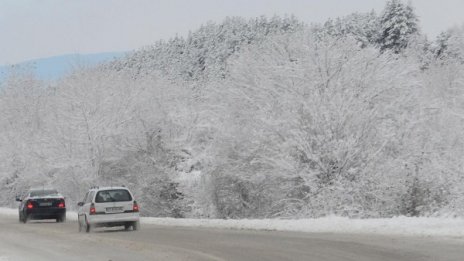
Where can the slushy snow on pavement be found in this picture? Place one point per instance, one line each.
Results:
(406, 226)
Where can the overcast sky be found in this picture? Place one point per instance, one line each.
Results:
(32, 29)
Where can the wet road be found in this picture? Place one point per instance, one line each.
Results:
(61, 241)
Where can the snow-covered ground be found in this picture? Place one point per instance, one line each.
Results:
(447, 227)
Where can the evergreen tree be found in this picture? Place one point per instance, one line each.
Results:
(397, 24)
(449, 45)
(363, 27)
(203, 54)
(442, 44)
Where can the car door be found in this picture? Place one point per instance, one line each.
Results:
(113, 201)
(80, 210)
(22, 206)
(88, 202)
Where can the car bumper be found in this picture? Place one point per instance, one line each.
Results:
(103, 219)
(45, 213)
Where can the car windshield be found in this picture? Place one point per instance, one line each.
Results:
(113, 196)
(43, 193)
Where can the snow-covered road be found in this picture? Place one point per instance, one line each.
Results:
(52, 241)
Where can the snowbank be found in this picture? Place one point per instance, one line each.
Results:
(407, 226)
(8, 212)
(449, 227)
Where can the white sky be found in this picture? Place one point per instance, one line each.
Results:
(32, 29)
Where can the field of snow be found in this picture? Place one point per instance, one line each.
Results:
(405, 226)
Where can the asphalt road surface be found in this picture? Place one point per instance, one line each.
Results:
(47, 240)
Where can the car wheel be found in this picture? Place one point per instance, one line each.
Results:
(136, 225)
(87, 226)
(61, 219)
(80, 225)
(127, 226)
(25, 219)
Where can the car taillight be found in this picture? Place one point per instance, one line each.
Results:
(92, 209)
(61, 204)
(30, 205)
(135, 208)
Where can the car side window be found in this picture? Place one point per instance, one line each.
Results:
(85, 197)
(90, 197)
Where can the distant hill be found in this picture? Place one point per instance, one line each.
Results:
(52, 68)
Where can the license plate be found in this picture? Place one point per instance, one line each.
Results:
(45, 204)
(114, 210)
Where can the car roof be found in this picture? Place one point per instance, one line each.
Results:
(53, 195)
(108, 188)
(40, 189)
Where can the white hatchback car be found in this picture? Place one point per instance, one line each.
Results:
(108, 207)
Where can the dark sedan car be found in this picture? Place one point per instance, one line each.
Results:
(42, 204)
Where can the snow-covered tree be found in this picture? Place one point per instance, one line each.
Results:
(23, 101)
(363, 27)
(204, 53)
(313, 116)
(449, 45)
(398, 23)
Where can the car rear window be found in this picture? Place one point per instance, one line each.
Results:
(43, 193)
(113, 195)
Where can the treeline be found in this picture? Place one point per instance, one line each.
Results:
(361, 116)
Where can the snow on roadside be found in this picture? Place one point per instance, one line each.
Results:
(447, 227)
(8, 212)
(406, 226)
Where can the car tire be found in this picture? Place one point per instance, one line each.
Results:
(127, 226)
(25, 219)
(61, 219)
(87, 226)
(79, 223)
(136, 225)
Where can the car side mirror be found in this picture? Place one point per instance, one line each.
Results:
(18, 199)
(80, 204)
